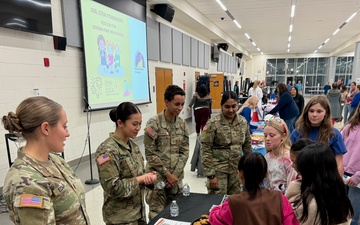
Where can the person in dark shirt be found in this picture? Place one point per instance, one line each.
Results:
(236, 88)
(286, 107)
(298, 99)
(327, 87)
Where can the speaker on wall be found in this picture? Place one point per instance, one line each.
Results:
(239, 55)
(224, 46)
(165, 11)
(215, 54)
(59, 43)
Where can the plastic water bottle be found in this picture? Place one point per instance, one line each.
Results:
(186, 190)
(174, 209)
(160, 185)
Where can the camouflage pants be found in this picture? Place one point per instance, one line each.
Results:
(159, 199)
(228, 184)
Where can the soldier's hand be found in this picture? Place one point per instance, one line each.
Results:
(171, 179)
(150, 178)
(213, 183)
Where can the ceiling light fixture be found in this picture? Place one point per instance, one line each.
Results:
(237, 24)
(338, 29)
(352, 16)
(291, 27)
(221, 5)
(292, 14)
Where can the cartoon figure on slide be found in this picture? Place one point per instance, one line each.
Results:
(117, 56)
(101, 48)
(110, 56)
(139, 60)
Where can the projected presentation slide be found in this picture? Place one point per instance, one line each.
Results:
(115, 56)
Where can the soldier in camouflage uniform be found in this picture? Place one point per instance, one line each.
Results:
(224, 139)
(166, 141)
(40, 187)
(121, 169)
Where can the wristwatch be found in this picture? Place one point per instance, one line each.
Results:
(211, 177)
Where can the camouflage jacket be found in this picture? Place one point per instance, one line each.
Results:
(44, 192)
(119, 164)
(166, 148)
(223, 142)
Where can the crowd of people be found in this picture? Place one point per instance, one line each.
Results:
(298, 181)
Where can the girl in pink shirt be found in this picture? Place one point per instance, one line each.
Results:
(277, 143)
(254, 205)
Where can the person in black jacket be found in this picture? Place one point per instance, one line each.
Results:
(286, 107)
(299, 100)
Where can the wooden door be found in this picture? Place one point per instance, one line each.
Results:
(216, 89)
(163, 80)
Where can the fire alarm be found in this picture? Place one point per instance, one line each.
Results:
(46, 62)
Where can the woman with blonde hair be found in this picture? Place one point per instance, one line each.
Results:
(247, 109)
(40, 187)
(255, 90)
(315, 124)
(277, 144)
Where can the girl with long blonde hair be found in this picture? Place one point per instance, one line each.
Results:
(277, 143)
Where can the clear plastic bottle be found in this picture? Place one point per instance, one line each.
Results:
(186, 190)
(174, 209)
(160, 185)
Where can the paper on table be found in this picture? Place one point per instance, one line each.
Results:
(163, 221)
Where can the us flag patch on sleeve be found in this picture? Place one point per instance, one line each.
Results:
(32, 201)
(150, 132)
(103, 159)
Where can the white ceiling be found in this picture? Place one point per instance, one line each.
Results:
(267, 22)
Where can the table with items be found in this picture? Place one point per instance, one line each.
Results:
(257, 138)
(191, 208)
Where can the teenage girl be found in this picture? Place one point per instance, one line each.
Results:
(254, 205)
(315, 124)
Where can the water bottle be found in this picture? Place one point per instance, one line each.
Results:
(186, 190)
(174, 209)
(160, 185)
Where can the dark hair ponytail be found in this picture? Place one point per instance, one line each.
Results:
(123, 112)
